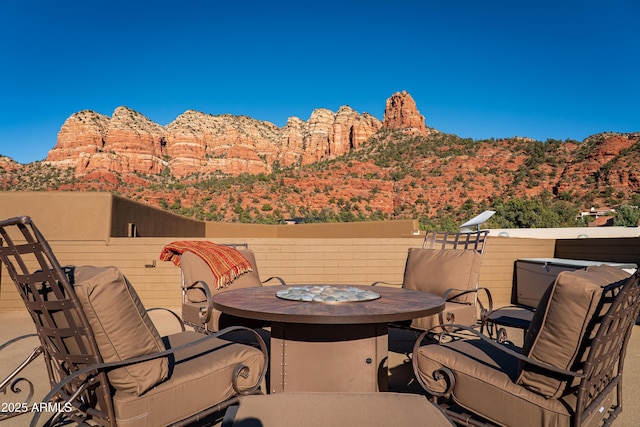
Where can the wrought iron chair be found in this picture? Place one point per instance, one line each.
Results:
(448, 264)
(106, 362)
(198, 291)
(568, 372)
(519, 316)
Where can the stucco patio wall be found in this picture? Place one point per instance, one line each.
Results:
(92, 229)
(297, 260)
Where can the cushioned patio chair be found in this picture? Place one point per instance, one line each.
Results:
(448, 264)
(107, 363)
(198, 290)
(568, 372)
(518, 316)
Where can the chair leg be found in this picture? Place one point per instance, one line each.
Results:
(11, 379)
(490, 328)
(501, 336)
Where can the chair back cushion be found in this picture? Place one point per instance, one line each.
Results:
(437, 270)
(251, 278)
(565, 315)
(195, 268)
(609, 273)
(121, 327)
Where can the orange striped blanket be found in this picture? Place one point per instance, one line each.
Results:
(226, 263)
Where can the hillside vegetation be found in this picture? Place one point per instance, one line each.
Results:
(440, 179)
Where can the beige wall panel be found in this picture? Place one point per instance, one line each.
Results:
(383, 229)
(61, 215)
(304, 260)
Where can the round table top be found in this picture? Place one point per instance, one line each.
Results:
(393, 305)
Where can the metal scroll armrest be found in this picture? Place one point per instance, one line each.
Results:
(279, 279)
(204, 314)
(385, 283)
(452, 294)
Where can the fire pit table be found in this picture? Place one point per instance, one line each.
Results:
(328, 337)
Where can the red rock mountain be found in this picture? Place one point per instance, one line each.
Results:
(395, 168)
(203, 143)
(401, 113)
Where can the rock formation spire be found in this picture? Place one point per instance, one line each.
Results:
(401, 113)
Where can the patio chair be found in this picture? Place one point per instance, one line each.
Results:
(568, 372)
(106, 362)
(448, 264)
(198, 289)
(519, 316)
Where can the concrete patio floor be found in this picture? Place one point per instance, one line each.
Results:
(13, 324)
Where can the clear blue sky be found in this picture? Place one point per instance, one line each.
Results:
(479, 69)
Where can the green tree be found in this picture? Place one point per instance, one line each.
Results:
(627, 216)
(534, 213)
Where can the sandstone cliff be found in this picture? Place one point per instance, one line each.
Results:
(199, 143)
(401, 113)
(396, 174)
(413, 172)
(126, 142)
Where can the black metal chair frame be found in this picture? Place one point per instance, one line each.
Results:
(79, 381)
(600, 374)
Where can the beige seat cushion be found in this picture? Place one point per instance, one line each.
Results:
(436, 271)
(560, 324)
(251, 278)
(121, 327)
(337, 409)
(195, 382)
(482, 386)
